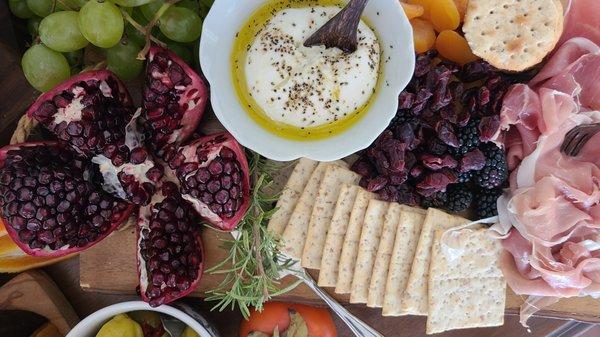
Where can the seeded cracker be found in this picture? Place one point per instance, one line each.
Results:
(405, 245)
(294, 235)
(466, 286)
(351, 241)
(414, 299)
(367, 250)
(382, 259)
(335, 236)
(290, 195)
(320, 219)
(513, 35)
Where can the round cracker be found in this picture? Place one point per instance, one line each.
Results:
(513, 35)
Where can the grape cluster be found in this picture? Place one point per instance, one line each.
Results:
(62, 30)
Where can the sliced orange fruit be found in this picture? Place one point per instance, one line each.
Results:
(8, 247)
(2, 229)
(423, 35)
(444, 15)
(454, 47)
(412, 11)
(18, 264)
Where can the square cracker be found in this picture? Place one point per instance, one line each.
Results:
(414, 299)
(367, 250)
(351, 241)
(466, 286)
(294, 234)
(384, 253)
(405, 245)
(335, 236)
(320, 219)
(290, 195)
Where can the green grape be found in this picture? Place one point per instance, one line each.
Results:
(75, 58)
(71, 4)
(181, 51)
(205, 6)
(151, 8)
(33, 26)
(44, 68)
(101, 23)
(131, 3)
(139, 17)
(122, 59)
(192, 5)
(132, 33)
(180, 24)
(60, 31)
(20, 9)
(41, 8)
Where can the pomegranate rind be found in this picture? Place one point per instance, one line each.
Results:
(45, 252)
(228, 224)
(100, 75)
(191, 118)
(143, 222)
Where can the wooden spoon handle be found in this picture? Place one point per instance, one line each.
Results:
(341, 30)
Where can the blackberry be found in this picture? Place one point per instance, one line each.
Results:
(459, 198)
(468, 137)
(437, 200)
(485, 202)
(435, 146)
(402, 116)
(465, 177)
(495, 171)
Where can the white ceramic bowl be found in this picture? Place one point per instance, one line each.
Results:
(226, 17)
(90, 326)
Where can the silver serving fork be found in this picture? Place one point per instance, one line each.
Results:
(360, 328)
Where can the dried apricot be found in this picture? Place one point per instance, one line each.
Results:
(412, 11)
(423, 3)
(423, 35)
(444, 15)
(454, 47)
(461, 5)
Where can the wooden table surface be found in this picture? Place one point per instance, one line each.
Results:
(16, 95)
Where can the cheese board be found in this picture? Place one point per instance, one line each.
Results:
(447, 108)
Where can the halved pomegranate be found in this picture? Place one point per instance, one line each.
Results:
(93, 113)
(174, 98)
(51, 202)
(170, 254)
(214, 176)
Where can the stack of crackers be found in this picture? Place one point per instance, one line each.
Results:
(388, 255)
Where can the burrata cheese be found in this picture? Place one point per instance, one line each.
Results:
(309, 86)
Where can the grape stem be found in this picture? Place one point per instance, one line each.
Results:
(147, 30)
(143, 30)
(97, 66)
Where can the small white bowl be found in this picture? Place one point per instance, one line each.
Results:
(90, 326)
(225, 19)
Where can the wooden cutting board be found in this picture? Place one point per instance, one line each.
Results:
(36, 292)
(110, 267)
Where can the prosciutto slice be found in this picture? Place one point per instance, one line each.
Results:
(552, 209)
(581, 20)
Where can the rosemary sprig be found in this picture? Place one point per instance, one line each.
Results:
(250, 269)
